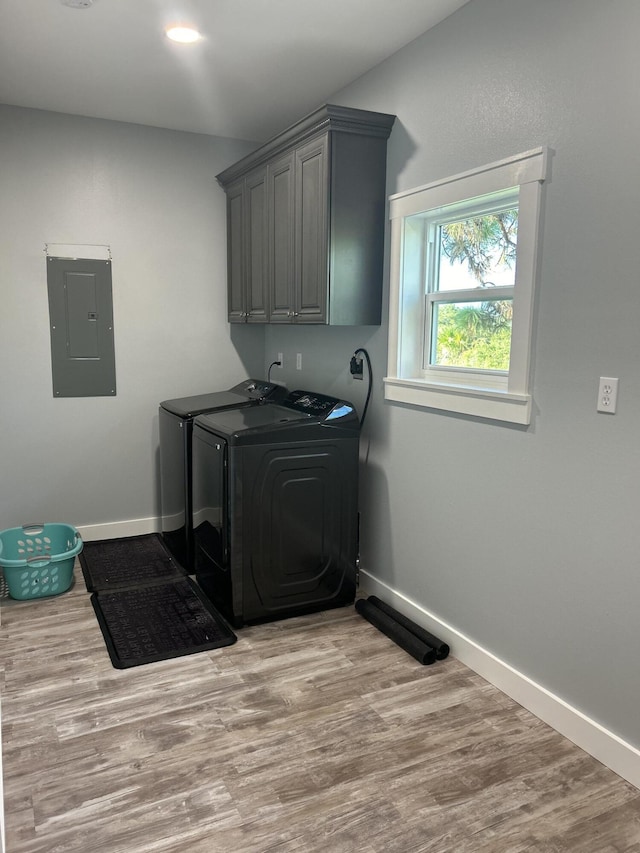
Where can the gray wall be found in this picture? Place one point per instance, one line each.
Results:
(524, 539)
(152, 196)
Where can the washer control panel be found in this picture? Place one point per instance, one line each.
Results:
(317, 405)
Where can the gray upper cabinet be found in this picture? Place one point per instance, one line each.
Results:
(247, 249)
(236, 291)
(311, 282)
(305, 221)
(281, 238)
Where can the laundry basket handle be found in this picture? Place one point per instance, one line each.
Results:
(38, 560)
(33, 529)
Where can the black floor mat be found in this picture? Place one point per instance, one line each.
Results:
(134, 561)
(147, 609)
(158, 622)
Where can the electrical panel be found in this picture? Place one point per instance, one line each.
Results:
(81, 326)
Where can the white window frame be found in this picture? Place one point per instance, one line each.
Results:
(490, 394)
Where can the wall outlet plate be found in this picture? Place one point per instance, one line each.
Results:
(607, 395)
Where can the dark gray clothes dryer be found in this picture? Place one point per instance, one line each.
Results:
(176, 428)
(275, 507)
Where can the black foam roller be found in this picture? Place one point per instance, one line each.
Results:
(405, 639)
(441, 649)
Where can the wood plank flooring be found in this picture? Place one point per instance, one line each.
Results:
(310, 734)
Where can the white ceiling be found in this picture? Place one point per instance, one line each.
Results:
(261, 65)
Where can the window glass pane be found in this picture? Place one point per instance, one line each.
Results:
(472, 334)
(479, 251)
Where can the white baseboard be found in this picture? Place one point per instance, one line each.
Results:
(119, 529)
(141, 526)
(602, 744)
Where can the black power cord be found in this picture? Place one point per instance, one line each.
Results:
(273, 364)
(366, 402)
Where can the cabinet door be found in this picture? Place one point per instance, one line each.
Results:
(311, 231)
(281, 232)
(236, 293)
(257, 291)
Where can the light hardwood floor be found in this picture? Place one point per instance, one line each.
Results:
(310, 734)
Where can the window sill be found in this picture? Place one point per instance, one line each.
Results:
(478, 402)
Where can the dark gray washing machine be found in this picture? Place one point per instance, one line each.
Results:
(275, 507)
(176, 428)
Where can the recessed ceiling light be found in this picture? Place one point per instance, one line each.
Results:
(185, 35)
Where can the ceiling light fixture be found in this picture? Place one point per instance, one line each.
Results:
(77, 4)
(184, 35)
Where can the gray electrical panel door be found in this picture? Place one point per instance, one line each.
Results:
(81, 317)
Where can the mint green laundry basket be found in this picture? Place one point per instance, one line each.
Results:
(37, 559)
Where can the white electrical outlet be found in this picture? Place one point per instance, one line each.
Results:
(298, 361)
(607, 395)
(280, 359)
